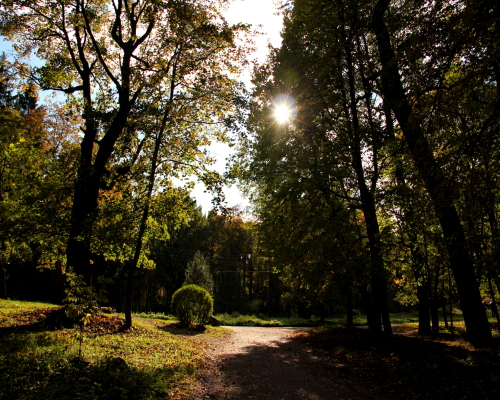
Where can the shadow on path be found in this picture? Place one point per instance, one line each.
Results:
(268, 363)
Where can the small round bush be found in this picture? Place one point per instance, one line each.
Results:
(192, 304)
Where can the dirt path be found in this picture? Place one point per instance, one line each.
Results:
(266, 363)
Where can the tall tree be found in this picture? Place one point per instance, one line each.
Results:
(439, 186)
(110, 57)
(323, 67)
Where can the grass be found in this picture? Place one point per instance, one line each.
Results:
(158, 360)
(236, 319)
(151, 361)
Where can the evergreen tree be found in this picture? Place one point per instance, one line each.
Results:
(6, 97)
(198, 273)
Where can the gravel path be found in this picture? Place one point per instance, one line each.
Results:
(266, 363)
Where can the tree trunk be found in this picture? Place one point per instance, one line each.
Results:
(82, 215)
(424, 320)
(3, 269)
(3, 282)
(93, 164)
(145, 214)
(372, 319)
(440, 191)
(435, 306)
(349, 308)
(377, 272)
(445, 316)
(60, 280)
(493, 305)
(435, 317)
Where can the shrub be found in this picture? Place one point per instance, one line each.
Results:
(192, 304)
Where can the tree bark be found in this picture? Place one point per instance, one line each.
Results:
(349, 308)
(93, 169)
(435, 317)
(493, 305)
(424, 320)
(60, 280)
(378, 279)
(440, 191)
(3, 281)
(372, 319)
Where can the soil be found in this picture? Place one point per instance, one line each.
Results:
(268, 363)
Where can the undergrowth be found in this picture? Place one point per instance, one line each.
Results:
(146, 362)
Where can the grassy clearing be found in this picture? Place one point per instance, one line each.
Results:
(408, 367)
(236, 319)
(151, 361)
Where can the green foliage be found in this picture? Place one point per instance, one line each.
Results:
(192, 305)
(198, 273)
(144, 363)
(82, 301)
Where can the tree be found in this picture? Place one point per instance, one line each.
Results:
(192, 305)
(323, 67)
(37, 172)
(111, 58)
(198, 273)
(437, 183)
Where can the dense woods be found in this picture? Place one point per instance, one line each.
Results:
(383, 182)
(378, 191)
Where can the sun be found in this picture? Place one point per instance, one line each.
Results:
(282, 113)
(283, 110)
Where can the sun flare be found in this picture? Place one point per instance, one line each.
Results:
(282, 113)
(283, 109)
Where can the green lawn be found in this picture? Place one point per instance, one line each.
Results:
(236, 319)
(151, 361)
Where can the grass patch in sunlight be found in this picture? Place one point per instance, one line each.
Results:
(146, 362)
(12, 312)
(156, 316)
(236, 319)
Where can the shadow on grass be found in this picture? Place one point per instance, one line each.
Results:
(178, 329)
(51, 319)
(39, 320)
(39, 366)
(408, 366)
(54, 377)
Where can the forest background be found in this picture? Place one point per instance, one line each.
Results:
(378, 190)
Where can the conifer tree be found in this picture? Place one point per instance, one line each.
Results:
(198, 273)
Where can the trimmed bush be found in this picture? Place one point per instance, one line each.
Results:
(192, 304)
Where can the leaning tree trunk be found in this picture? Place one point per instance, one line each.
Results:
(478, 329)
